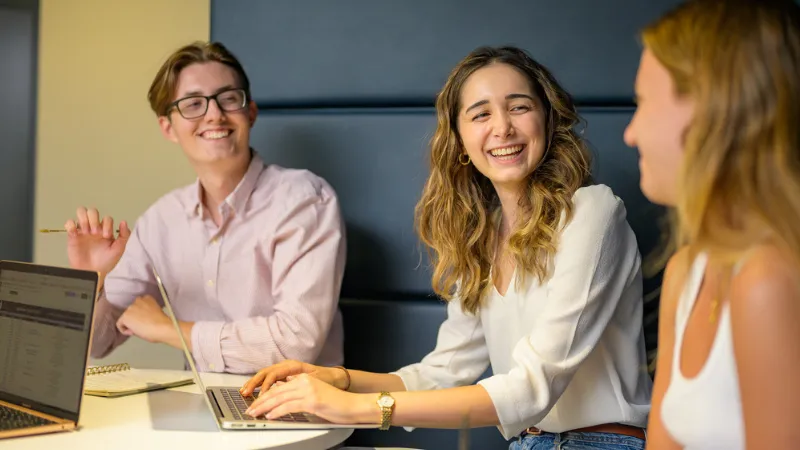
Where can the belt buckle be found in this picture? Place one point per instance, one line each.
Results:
(533, 430)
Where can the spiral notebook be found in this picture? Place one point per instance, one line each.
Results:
(120, 379)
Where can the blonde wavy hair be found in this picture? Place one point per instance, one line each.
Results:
(739, 61)
(454, 217)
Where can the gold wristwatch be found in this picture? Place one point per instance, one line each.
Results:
(386, 403)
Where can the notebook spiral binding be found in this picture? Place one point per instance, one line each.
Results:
(107, 369)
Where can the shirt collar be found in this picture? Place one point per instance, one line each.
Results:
(237, 199)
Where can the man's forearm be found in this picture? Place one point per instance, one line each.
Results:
(171, 338)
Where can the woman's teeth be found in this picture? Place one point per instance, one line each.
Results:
(506, 152)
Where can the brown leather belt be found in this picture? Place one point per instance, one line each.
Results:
(614, 428)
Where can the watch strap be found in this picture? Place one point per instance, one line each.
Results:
(386, 414)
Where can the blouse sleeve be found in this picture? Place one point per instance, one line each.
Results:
(459, 358)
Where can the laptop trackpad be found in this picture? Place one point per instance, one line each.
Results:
(179, 411)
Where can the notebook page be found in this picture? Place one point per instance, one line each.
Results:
(133, 379)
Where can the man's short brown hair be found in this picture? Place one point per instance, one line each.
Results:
(163, 87)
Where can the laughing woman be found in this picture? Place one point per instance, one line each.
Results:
(541, 271)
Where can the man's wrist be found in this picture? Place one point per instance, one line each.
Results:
(166, 334)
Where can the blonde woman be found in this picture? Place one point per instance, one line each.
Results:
(542, 275)
(717, 123)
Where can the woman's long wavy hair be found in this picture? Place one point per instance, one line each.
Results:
(454, 217)
(739, 61)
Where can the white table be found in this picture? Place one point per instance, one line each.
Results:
(172, 419)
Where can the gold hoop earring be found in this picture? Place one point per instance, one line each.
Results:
(463, 161)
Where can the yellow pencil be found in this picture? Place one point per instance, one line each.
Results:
(50, 230)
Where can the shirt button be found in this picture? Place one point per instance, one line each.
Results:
(211, 366)
(215, 241)
(210, 282)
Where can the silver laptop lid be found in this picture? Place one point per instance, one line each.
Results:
(186, 351)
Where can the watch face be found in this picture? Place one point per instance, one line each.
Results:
(386, 401)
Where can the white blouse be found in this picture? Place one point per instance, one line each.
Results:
(567, 353)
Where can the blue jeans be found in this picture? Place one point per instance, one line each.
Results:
(572, 440)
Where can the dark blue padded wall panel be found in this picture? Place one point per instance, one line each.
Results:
(316, 52)
(377, 162)
(617, 165)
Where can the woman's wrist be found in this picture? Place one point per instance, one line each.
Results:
(341, 378)
(366, 409)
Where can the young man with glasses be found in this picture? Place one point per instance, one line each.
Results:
(252, 255)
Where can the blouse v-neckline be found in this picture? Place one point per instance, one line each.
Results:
(512, 281)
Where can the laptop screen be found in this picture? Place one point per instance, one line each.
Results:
(45, 327)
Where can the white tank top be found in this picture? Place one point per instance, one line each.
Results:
(704, 412)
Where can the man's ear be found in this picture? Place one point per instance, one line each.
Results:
(166, 128)
(252, 112)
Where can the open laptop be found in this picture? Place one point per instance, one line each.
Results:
(228, 406)
(46, 318)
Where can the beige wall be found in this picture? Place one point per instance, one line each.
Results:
(97, 142)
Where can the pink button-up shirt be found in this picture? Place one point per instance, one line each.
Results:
(261, 288)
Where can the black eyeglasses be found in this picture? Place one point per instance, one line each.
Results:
(195, 106)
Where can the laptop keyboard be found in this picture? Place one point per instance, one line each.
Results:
(239, 404)
(14, 419)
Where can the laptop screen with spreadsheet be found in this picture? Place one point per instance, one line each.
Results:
(45, 331)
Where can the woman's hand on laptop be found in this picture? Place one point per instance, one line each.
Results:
(91, 242)
(275, 373)
(305, 393)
